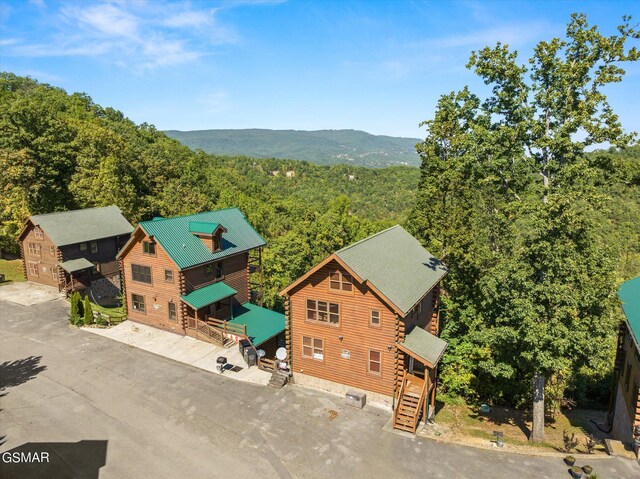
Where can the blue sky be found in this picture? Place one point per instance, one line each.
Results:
(377, 66)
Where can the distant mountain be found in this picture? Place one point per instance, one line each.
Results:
(322, 147)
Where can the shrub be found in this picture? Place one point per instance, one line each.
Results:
(74, 313)
(88, 312)
(570, 442)
(590, 443)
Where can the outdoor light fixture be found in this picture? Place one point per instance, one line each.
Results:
(340, 338)
(389, 348)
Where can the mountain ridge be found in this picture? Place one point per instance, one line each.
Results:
(323, 147)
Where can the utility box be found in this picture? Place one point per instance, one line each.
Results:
(243, 344)
(355, 398)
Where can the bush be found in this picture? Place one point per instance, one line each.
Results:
(74, 314)
(570, 442)
(87, 318)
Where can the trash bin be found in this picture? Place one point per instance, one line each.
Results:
(243, 344)
(250, 356)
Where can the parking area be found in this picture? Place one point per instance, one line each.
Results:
(28, 293)
(105, 409)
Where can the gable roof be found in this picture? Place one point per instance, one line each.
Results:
(77, 226)
(393, 263)
(187, 250)
(424, 345)
(629, 294)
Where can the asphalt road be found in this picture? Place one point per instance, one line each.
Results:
(101, 408)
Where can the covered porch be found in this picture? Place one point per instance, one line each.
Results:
(416, 394)
(76, 275)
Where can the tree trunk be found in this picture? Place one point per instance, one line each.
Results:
(537, 429)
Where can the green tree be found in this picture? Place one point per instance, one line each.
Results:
(74, 313)
(507, 197)
(87, 317)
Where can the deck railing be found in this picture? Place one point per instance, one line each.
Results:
(267, 364)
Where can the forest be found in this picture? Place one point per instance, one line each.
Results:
(537, 228)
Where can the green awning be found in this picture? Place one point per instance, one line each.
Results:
(262, 323)
(74, 265)
(209, 294)
(424, 345)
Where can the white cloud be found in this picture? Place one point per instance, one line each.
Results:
(106, 18)
(8, 41)
(190, 19)
(514, 35)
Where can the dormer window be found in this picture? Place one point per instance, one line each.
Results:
(149, 248)
(209, 233)
(340, 281)
(37, 233)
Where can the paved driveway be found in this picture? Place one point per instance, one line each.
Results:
(102, 405)
(27, 293)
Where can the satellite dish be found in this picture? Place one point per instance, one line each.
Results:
(281, 354)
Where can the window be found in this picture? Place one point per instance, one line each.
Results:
(137, 301)
(83, 246)
(149, 248)
(34, 249)
(375, 362)
(219, 272)
(323, 311)
(217, 243)
(141, 273)
(173, 315)
(54, 273)
(340, 281)
(33, 269)
(52, 250)
(208, 271)
(313, 348)
(168, 276)
(37, 232)
(94, 247)
(374, 319)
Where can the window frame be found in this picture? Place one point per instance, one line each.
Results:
(134, 301)
(134, 273)
(341, 282)
(93, 245)
(170, 311)
(33, 268)
(317, 312)
(208, 271)
(52, 250)
(218, 271)
(217, 243)
(54, 273)
(313, 348)
(38, 233)
(148, 248)
(170, 279)
(371, 361)
(35, 249)
(83, 246)
(371, 322)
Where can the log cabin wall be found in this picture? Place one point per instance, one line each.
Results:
(421, 313)
(40, 257)
(234, 271)
(159, 293)
(345, 360)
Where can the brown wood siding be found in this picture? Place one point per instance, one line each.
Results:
(358, 337)
(631, 395)
(45, 261)
(421, 313)
(234, 271)
(158, 293)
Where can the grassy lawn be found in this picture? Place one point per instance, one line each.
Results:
(466, 423)
(12, 269)
(116, 315)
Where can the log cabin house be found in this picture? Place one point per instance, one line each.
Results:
(367, 317)
(200, 275)
(625, 404)
(75, 250)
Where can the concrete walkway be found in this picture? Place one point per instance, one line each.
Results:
(184, 349)
(28, 293)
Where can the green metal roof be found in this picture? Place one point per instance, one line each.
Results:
(629, 294)
(77, 226)
(425, 345)
(262, 324)
(203, 227)
(74, 265)
(209, 294)
(187, 250)
(396, 264)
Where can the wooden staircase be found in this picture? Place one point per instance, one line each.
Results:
(410, 403)
(278, 379)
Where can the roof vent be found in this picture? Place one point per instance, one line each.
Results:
(184, 245)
